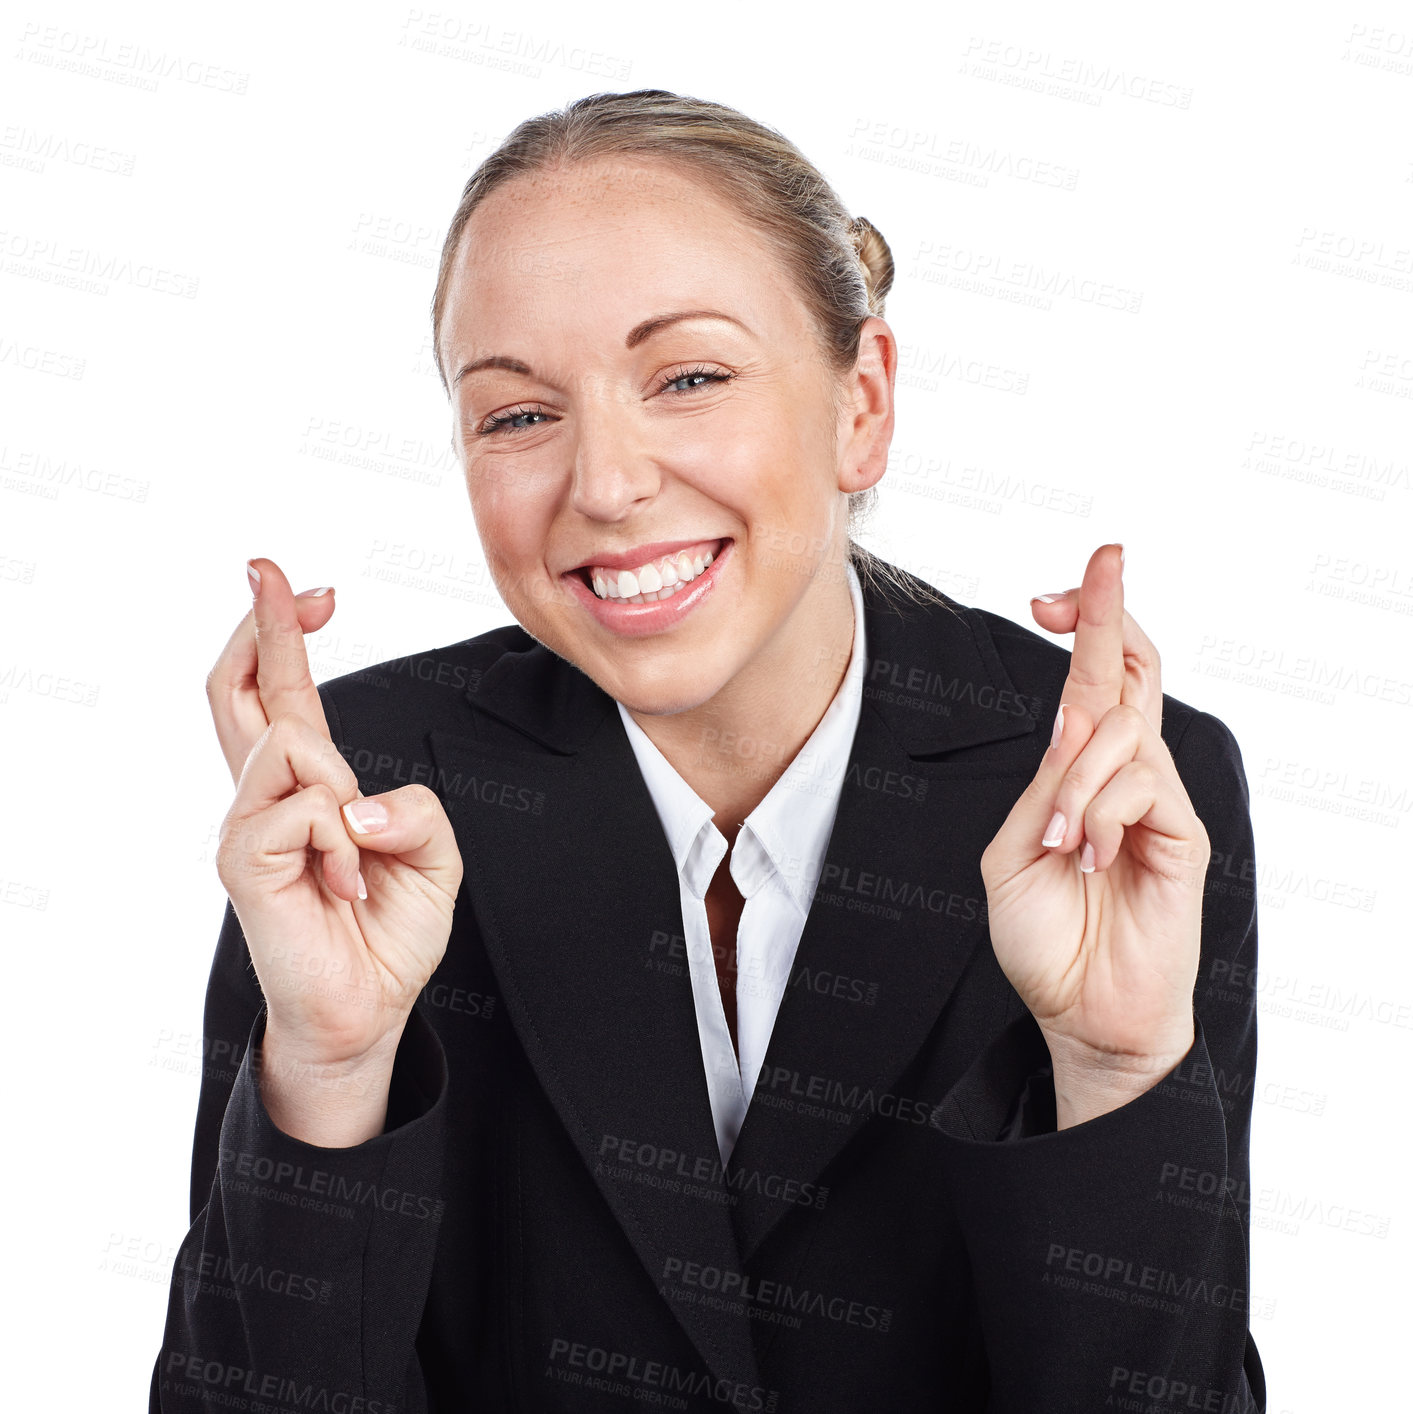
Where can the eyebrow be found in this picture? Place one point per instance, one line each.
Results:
(638, 334)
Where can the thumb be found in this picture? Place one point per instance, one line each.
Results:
(412, 824)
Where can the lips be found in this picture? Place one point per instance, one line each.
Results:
(653, 582)
(655, 551)
(645, 614)
(626, 574)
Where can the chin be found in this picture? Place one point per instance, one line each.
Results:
(662, 705)
(659, 699)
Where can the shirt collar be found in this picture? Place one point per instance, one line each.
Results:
(793, 823)
(788, 832)
(686, 817)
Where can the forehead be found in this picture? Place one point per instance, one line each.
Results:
(595, 248)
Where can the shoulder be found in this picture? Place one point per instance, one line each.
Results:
(424, 690)
(1203, 746)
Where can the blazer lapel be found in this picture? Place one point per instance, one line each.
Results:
(899, 911)
(575, 892)
(577, 899)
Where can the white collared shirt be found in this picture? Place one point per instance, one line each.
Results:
(775, 863)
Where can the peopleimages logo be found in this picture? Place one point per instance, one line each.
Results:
(189, 1374)
(839, 881)
(633, 1376)
(769, 1300)
(635, 1154)
(920, 681)
(285, 1180)
(784, 1088)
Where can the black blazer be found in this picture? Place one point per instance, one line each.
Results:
(545, 1223)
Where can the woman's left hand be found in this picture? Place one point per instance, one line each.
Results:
(1099, 930)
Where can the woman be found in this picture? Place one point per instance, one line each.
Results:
(878, 1075)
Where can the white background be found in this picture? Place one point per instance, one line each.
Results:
(217, 241)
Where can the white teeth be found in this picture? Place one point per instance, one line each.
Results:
(652, 582)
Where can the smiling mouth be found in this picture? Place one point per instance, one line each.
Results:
(655, 581)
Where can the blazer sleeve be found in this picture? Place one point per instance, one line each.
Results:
(1111, 1259)
(304, 1274)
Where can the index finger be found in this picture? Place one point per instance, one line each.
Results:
(264, 669)
(1096, 676)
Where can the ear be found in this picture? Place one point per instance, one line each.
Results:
(866, 413)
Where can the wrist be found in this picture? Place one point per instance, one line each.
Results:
(331, 1104)
(1090, 1082)
(321, 1058)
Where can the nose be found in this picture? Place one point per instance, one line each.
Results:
(612, 470)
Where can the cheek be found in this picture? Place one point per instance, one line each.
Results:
(784, 492)
(514, 515)
(508, 503)
(753, 468)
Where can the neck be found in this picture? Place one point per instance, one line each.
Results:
(734, 747)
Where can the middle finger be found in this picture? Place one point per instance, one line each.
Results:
(1059, 613)
(1096, 677)
(237, 696)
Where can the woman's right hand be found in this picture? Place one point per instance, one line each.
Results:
(339, 973)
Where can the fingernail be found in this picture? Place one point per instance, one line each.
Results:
(1049, 598)
(1058, 731)
(253, 575)
(1054, 831)
(366, 817)
(1086, 859)
(314, 593)
(362, 887)
(1121, 554)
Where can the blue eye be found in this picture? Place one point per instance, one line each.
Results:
(505, 419)
(695, 373)
(511, 421)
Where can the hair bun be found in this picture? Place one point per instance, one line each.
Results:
(876, 259)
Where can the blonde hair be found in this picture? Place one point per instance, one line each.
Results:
(840, 265)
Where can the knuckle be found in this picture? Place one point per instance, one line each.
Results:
(287, 723)
(1081, 676)
(1074, 786)
(330, 756)
(1130, 714)
(232, 829)
(325, 798)
(1038, 791)
(233, 848)
(1149, 778)
(1127, 717)
(420, 801)
(420, 797)
(281, 730)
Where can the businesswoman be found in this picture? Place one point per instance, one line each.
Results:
(750, 979)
